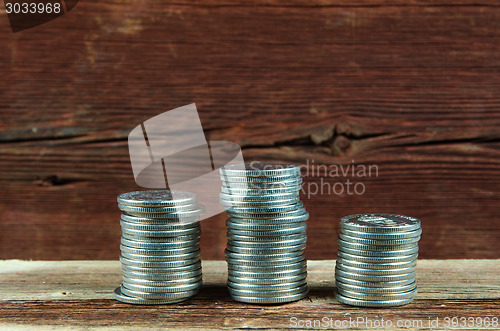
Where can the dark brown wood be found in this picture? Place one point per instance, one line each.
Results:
(73, 294)
(409, 86)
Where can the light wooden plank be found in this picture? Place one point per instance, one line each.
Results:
(76, 294)
(87, 280)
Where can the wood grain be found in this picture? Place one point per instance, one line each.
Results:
(69, 294)
(409, 86)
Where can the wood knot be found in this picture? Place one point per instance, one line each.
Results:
(340, 144)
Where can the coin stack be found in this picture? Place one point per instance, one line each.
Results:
(377, 257)
(266, 232)
(159, 247)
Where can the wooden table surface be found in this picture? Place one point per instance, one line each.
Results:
(76, 294)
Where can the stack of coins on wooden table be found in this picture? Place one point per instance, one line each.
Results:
(377, 257)
(160, 251)
(266, 232)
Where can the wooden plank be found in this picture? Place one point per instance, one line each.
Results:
(78, 294)
(409, 86)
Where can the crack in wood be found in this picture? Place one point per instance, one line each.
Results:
(55, 180)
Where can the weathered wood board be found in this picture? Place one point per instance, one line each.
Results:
(409, 86)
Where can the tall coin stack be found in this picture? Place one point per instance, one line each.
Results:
(266, 232)
(377, 257)
(159, 247)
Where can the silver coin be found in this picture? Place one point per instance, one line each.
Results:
(160, 296)
(158, 252)
(260, 179)
(376, 249)
(164, 269)
(171, 219)
(270, 244)
(266, 287)
(159, 227)
(259, 204)
(376, 259)
(371, 303)
(376, 290)
(260, 185)
(268, 293)
(374, 278)
(265, 257)
(159, 264)
(270, 233)
(161, 276)
(379, 223)
(271, 300)
(161, 240)
(156, 198)
(158, 210)
(184, 216)
(248, 192)
(260, 169)
(275, 280)
(159, 221)
(380, 254)
(166, 245)
(266, 250)
(258, 198)
(161, 289)
(118, 295)
(260, 227)
(161, 258)
(293, 213)
(267, 275)
(265, 262)
(377, 296)
(128, 279)
(388, 267)
(382, 236)
(162, 285)
(379, 242)
(385, 285)
(263, 210)
(270, 268)
(151, 233)
(375, 272)
(269, 239)
(281, 220)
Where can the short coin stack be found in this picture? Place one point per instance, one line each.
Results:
(159, 247)
(266, 232)
(377, 257)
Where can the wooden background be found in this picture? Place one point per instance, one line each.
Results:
(410, 86)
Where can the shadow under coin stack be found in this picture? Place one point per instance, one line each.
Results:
(159, 247)
(266, 232)
(377, 257)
